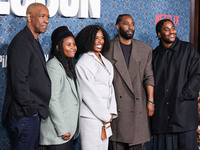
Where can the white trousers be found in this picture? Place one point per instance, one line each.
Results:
(90, 133)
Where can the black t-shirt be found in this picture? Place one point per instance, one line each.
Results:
(126, 49)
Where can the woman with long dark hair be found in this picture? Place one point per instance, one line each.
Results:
(95, 76)
(61, 128)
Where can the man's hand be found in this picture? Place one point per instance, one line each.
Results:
(150, 109)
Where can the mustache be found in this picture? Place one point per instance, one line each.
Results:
(130, 30)
(172, 34)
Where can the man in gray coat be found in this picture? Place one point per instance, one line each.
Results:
(134, 85)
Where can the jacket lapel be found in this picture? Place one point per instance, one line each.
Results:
(36, 47)
(75, 91)
(96, 58)
(120, 64)
(73, 87)
(134, 62)
(39, 53)
(78, 92)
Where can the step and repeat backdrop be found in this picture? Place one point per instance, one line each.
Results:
(76, 14)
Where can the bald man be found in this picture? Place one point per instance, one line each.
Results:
(28, 84)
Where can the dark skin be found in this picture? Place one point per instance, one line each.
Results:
(99, 40)
(37, 18)
(150, 107)
(98, 44)
(127, 24)
(37, 21)
(167, 34)
(66, 136)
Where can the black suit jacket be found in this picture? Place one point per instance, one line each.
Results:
(28, 84)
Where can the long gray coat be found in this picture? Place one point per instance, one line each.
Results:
(132, 124)
(64, 107)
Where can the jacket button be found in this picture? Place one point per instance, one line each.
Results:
(120, 96)
(137, 98)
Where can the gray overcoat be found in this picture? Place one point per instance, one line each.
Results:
(132, 124)
(64, 107)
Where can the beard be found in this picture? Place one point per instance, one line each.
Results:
(125, 34)
(167, 39)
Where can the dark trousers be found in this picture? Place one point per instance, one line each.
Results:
(125, 146)
(66, 146)
(178, 141)
(25, 133)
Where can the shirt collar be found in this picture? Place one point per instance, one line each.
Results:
(91, 53)
(174, 47)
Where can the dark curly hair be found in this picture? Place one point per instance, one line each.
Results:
(160, 24)
(86, 38)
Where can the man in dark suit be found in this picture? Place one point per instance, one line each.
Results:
(133, 83)
(28, 84)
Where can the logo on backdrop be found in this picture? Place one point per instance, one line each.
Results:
(66, 8)
(3, 60)
(173, 18)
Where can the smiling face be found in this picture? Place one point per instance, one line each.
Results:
(69, 47)
(167, 34)
(99, 42)
(126, 28)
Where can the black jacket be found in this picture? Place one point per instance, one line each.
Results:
(28, 84)
(177, 82)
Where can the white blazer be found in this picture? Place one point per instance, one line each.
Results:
(95, 80)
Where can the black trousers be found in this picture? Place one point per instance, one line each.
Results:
(66, 146)
(25, 133)
(176, 141)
